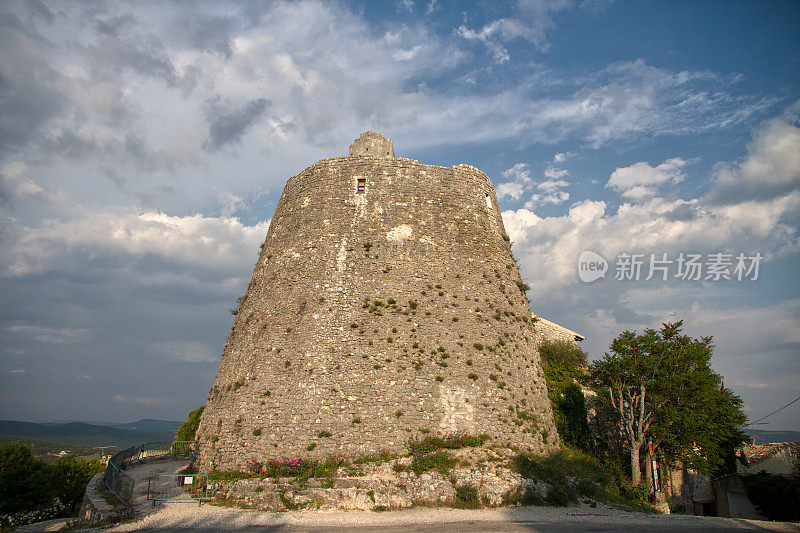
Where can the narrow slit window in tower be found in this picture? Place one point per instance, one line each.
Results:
(361, 185)
(488, 201)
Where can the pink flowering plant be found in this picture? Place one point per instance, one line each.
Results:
(294, 467)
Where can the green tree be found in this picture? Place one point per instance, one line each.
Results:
(24, 483)
(188, 429)
(68, 477)
(660, 386)
(565, 367)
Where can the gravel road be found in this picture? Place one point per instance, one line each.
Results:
(191, 517)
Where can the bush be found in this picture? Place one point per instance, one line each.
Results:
(28, 484)
(188, 430)
(467, 495)
(563, 353)
(441, 461)
(23, 480)
(68, 478)
(571, 472)
(776, 497)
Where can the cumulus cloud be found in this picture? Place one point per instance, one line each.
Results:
(772, 165)
(548, 191)
(549, 246)
(204, 242)
(520, 176)
(640, 181)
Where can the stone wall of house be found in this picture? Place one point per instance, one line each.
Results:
(377, 310)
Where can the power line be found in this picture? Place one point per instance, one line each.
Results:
(773, 412)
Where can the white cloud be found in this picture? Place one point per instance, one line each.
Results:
(641, 181)
(531, 23)
(231, 203)
(549, 247)
(772, 163)
(550, 188)
(520, 175)
(51, 335)
(188, 351)
(150, 401)
(407, 54)
(509, 189)
(205, 242)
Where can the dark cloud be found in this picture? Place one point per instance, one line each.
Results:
(209, 33)
(28, 98)
(37, 9)
(114, 25)
(227, 125)
(143, 55)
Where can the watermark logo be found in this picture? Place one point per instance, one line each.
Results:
(591, 266)
(684, 267)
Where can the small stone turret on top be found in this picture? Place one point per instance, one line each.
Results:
(372, 144)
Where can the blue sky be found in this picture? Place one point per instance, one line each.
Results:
(144, 146)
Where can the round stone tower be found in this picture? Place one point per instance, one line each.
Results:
(385, 303)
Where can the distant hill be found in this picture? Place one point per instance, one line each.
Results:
(765, 437)
(86, 434)
(149, 425)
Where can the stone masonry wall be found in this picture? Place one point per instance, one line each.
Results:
(373, 316)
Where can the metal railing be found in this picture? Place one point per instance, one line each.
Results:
(178, 488)
(121, 484)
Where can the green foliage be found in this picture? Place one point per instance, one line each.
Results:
(452, 441)
(442, 461)
(187, 430)
(569, 410)
(23, 479)
(573, 473)
(564, 368)
(467, 495)
(28, 483)
(565, 358)
(660, 385)
(69, 476)
(776, 497)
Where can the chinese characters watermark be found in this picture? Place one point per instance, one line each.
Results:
(685, 267)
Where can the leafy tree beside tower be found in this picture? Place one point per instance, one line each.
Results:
(661, 389)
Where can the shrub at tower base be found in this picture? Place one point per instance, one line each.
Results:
(385, 306)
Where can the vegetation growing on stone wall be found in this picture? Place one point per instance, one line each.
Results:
(467, 496)
(565, 366)
(187, 430)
